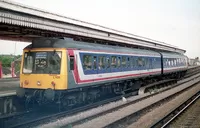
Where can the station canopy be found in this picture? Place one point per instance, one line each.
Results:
(23, 23)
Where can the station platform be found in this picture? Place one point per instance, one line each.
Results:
(190, 67)
(8, 79)
(8, 85)
(7, 93)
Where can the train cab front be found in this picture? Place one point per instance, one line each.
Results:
(43, 74)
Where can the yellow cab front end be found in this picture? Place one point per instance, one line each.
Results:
(43, 72)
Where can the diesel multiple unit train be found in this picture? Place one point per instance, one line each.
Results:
(73, 72)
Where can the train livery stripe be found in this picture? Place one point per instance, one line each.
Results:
(81, 78)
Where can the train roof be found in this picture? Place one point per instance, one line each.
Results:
(71, 43)
(172, 55)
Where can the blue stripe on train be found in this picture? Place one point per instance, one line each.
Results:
(152, 63)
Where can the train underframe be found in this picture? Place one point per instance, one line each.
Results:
(89, 94)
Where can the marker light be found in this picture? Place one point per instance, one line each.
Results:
(26, 82)
(38, 83)
(53, 83)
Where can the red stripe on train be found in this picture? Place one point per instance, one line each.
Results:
(79, 81)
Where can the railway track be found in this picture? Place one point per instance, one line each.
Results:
(76, 119)
(129, 114)
(192, 72)
(46, 118)
(184, 115)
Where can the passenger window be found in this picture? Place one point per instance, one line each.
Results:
(128, 62)
(166, 62)
(87, 62)
(113, 61)
(101, 62)
(95, 62)
(119, 62)
(146, 62)
(184, 61)
(140, 62)
(172, 63)
(123, 61)
(175, 62)
(108, 62)
(133, 62)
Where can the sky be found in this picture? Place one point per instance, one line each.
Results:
(176, 22)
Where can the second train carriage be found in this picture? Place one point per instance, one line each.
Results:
(55, 68)
(174, 63)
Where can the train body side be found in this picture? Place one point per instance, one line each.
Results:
(122, 66)
(174, 62)
(90, 65)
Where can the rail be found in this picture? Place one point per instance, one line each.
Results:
(59, 115)
(172, 116)
(46, 119)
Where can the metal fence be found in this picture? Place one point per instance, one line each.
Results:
(10, 71)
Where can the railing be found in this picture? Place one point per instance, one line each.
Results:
(1, 72)
(15, 68)
(10, 72)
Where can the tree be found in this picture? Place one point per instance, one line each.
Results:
(6, 60)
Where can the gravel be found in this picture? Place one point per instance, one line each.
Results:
(156, 114)
(8, 85)
(94, 111)
(69, 119)
(121, 113)
(189, 118)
